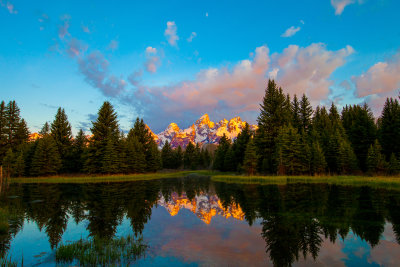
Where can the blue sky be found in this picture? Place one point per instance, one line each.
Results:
(175, 60)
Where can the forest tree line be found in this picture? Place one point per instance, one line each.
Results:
(292, 139)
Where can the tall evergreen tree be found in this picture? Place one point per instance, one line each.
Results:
(22, 134)
(306, 112)
(394, 165)
(389, 130)
(79, 151)
(60, 129)
(110, 157)
(45, 129)
(188, 156)
(275, 112)
(289, 151)
(46, 159)
(250, 158)
(13, 123)
(136, 158)
(220, 153)
(230, 164)
(105, 132)
(359, 124)
(3, 130)
(240, 144)
(318, 163)
(376, 163)
(178, 157)
(8, 163)
(19, 165)
(167, 156)
(296, 115)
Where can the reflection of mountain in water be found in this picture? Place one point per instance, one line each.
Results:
(203, 205)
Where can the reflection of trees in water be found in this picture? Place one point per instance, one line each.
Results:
(295, 217)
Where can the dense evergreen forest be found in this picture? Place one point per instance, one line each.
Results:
(291, 139)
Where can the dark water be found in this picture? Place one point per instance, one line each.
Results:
(195, 221)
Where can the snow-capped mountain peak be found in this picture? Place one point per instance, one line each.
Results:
(203, 131)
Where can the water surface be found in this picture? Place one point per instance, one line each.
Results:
(195, 221)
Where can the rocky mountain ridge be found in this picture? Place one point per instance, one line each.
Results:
(203, 131)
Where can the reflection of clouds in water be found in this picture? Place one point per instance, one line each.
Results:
(387, 252)
(331, 254)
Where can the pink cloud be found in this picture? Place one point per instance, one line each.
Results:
(171, 33)
(382, 77)
(63, 29)
(290, 31)
(10, 6)
(152, 60)
(339, 5)
(240, 88)
(113, 45)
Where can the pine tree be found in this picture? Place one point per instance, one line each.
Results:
(206, 158)
(188, 156)
(110, 157)
(105, 131)
(394, 165)
(240, 144)
(152, 155)
(178, 157)
(167, 156)
(306, 112)
(318, 163)
(46, 159)
(275, 112)
(288, 151)
(136, 158)
(347, 158)
(60, 129)
(229, 161)
(13, 122)
(19, 167)
(305, 153)
(296, 116)
(79, 150)
(250, 158)
(359, 124)
(389, 130)
(376, 163)
(9, 163)
(22, 133)
(3, 130)
(197, 159)
(220, 153)
(45, 129)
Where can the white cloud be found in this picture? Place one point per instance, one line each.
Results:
(170, 33)
(192, 35)
(291, 31)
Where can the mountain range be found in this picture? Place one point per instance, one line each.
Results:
(203, 131)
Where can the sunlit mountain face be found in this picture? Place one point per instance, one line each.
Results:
(203, 131)
(204, 205)
(198, 221)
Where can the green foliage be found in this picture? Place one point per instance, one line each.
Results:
(189, 156)
(394, 165)
(60, 130)
(296, 116)
(167, 156)
(240, 144)
(275, 113)
(105, 132)
(178, 157)
(46, 159)
(8, 163)
(78, 152)
(250, 158)
(230, 161)
(220, 153)
(102, 252)
(389, 128)
(306, 112)
(359, 124)
(318, 162)
(289, 151)
(376, 163)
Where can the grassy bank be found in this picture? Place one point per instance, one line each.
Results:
(109, 178)
(376, 181)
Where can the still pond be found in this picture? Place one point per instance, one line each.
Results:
(195, 221)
